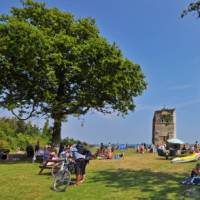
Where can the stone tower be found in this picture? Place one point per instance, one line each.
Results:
(164, 126)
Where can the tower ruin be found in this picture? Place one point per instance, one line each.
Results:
(164, 126)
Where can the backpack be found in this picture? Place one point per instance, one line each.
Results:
(80, 149)
(84, 151)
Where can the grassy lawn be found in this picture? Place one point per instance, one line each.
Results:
(136, 177)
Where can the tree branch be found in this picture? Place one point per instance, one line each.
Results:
(29, 116)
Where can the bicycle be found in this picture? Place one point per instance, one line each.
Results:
(56, 168)
(62, 175)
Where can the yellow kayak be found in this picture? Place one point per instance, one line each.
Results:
(192, 157)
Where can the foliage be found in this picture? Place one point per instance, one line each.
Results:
(13, 136)
(46, 129)
(16, 133)
(54, 64)
(192, 7)
(70, 141)
(167, 118)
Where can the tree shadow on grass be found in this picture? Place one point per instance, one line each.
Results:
(155, 185)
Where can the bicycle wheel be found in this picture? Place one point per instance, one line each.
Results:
(61, 181)
(55, 170)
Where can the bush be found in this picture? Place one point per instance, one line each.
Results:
(18, 134)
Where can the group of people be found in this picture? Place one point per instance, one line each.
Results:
(76, 153)
(177, 149)
(104, 152)
(142, 148)
(195, 147)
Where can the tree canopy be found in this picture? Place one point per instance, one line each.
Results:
(54, 64)
(192, 7)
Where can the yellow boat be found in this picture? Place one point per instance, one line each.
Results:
(192, 157)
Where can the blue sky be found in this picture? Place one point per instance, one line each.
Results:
(152, 34)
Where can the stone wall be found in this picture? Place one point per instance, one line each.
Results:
(164, 126)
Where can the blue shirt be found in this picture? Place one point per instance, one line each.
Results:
(75, 154)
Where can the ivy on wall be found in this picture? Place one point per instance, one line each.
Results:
(166, 118)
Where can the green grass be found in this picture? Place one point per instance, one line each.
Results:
(136, 177)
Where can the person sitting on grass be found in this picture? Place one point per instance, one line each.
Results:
(119, 156)
(194, 178)
(196, 170)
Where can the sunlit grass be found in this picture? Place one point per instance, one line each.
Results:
(138, 176)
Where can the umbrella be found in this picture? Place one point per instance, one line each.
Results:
(175, 141)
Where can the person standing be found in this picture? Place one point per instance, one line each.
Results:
(61, 149)
(37, 147)
(79, 163)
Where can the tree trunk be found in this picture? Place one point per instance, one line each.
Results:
(56, 136)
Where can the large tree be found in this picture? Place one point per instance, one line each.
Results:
(54, 64)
